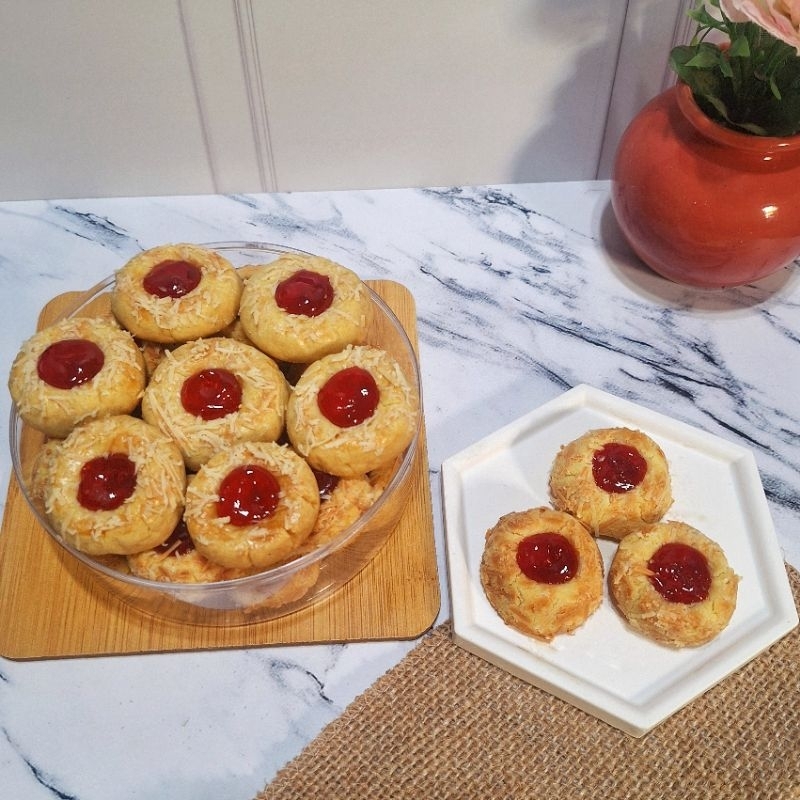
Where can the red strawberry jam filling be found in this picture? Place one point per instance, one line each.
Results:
(618, 468)
(69, 363)
(547, 558)
(307, 293)
(248, 494)
(106, 482)
(172, 279)
(179, 542)
(326, 483)
(680, 573)
(349, 397)
(211, 394)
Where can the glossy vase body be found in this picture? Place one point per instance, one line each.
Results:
(701, 204)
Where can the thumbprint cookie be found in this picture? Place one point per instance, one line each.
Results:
(176, 293)
(343, 501)
(177, 561)
(76, 369)
(211, 393)
(673, 584)
(542, 572)
(300, 308)
(116, 486)
(352, 412)
(42, 470)
(614, 480)
(251, 505)
(285, 589)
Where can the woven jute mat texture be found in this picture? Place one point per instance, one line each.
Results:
(444, 723)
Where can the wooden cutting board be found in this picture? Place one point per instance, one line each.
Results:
(50, 609)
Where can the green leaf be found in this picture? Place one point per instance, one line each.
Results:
(701, 16)
(718, 106)
(751, 127)
(681, 54)
(678, 58)
(751, 85)
(740, 48)
(703, 59)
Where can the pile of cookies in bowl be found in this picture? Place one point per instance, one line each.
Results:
(211, 436)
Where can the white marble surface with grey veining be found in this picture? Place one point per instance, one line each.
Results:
(522, 292)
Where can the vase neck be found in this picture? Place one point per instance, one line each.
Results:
(707, 127)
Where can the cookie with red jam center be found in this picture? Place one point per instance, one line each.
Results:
(301, 307)
(251, 505)
(614, 480)
(352, 412)
(176, 293)
(673, 584)
(542, 572)
(77, 369)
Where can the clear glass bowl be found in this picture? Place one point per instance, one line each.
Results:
(282, 589)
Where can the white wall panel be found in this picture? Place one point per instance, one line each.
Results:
(97, 98)
(109, 97)
(222, 51)
(380, 93)
(652, 28)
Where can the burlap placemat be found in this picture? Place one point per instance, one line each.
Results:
(444, 723)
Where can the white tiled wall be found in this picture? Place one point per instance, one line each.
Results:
(106, 97)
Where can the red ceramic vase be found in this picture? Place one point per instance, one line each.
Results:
(701, 204)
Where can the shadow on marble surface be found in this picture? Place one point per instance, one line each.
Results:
(632, 271)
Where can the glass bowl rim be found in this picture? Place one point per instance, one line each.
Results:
(272, 574)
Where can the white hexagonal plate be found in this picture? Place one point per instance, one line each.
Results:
(605, 668)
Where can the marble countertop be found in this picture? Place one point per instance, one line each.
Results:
(522, 292)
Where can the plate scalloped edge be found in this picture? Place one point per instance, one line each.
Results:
(518, 478)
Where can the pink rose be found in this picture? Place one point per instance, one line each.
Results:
(781, 18)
